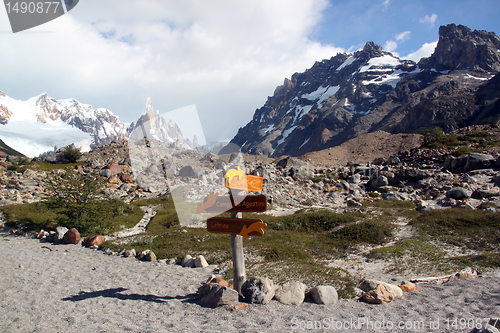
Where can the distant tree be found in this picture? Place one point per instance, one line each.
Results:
(72, 154)
(76, 199)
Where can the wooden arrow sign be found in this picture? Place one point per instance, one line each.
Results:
(236, 179)
(219, 204)
(243, 227)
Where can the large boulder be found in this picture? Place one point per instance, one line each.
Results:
(291, 293)
(477, 161)
(258, 290)
(458, 193)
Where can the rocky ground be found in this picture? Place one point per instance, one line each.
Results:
(432, 178)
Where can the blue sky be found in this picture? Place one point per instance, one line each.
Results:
(349, 24)
(225, 57)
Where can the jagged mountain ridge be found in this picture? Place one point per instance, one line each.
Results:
(351, 94)
(154, 126)
(42, 123)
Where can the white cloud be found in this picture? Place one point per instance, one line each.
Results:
(225, 57)
(390, 46)
(431, 20)
(386, 4)
(425, 51)
(404, 36)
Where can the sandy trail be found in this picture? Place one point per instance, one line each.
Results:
(74, 289)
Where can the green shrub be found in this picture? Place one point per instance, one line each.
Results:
(72, 154)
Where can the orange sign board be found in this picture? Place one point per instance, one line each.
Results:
(243, 227)
(219, 204)
(236, 179)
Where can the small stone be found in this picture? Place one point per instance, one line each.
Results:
(291, 293)
(94, 240)
(171, 261)
(380, 181)
(150, 256)
(200, 261)
(258, 290)
(369, 285)
(114, 180)
(72, 236)
(141, 255)
(129, 253)
(408, 287)
(59, 235)
(126, 178)
(324, 295)
(237, 307)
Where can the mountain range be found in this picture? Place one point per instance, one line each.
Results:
(43, 124)
(369, 90)
(336, 100)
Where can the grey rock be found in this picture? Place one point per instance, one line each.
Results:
(150, 256)
(289, 162)
(393, 160)
(129, 253)
(187, 261)
(291, 293)
(324, 295)
(106, 173)
(354, 179)
(189, 171)
(458, 193)
(380, 181)
(200, 261)
(353, 203)
(214, 295)
(59, 235)
(458, 163)
(171, 261)
(258, 290)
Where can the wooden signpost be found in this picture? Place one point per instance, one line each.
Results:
(238, 227)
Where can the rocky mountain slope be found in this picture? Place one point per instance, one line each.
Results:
(351, 94)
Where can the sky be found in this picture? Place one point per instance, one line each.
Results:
(224, 57)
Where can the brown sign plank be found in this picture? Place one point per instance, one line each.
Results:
(219, 204)
(243, 227)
